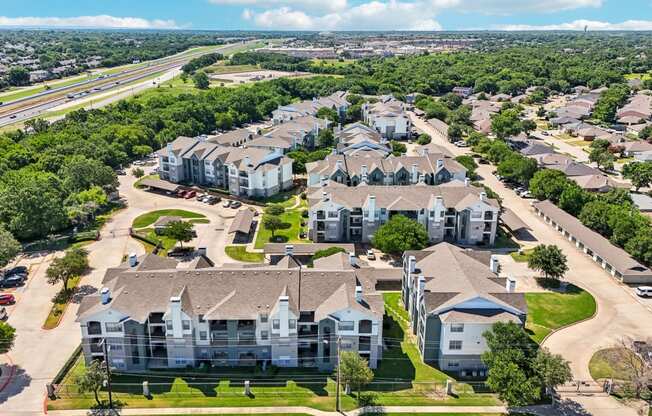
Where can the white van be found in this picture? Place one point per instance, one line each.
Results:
(644, 291)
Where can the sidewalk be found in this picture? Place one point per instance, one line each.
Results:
(291, 410)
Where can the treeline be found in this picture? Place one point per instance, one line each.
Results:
(270, 60)
(56, 175)
(201, 62)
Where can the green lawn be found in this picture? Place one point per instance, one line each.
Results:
(240, 253)
(522, 258)
(138, 183)
(401, 379)
(150, 218)
(291, 226)
(549, 311)
(608, 363)
(60, 304)
(503, 240)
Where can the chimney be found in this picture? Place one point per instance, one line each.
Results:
(339, 164)
(467, 181)
(412, 264)
(284, 316)
(422, 178)
(175, 316)
(415, 173)
(323, 181)
(289, 249)
(105, 293)
(363, 170)
(493, 263)
(353, 261)
(440, 163)
(371, 215)
(421, 284)
(324, 196)
(510, 284)
(483, 196)
(358, 294)
(334, 151)
(133, 260)
(201, 251)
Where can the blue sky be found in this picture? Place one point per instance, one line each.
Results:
(331, 14)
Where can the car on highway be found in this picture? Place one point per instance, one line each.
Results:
(13, 116)
(7, 299)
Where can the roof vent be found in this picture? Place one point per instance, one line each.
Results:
(106, 295)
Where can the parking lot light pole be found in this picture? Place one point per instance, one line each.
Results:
(108, 372)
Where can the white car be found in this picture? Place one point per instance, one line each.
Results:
(226, 203)
(642, 291)
(371, 255)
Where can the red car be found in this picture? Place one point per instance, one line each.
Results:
(181, 194)
(7, 299)
(190, 194)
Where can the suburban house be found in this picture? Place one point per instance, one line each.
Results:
(154, 313)
(454, 295)
(250, 172)
(463, 92)
(616, 261)
(336, 101)
(637, 110)
(388, 117)
(300, 131)
(432, 168)
(358, 139)
(454, 211)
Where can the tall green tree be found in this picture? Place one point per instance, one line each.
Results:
(201, 80)
(325, 138)
(272, 223)
(9, 247)
(400, 234)
(7, 337)
(506, 123)
(600, 154)
(92, 380)
(182, 231)
(548, 184)
(62, 269)
(549, 260)
(355, 370)
(640, 173)
(80, 173)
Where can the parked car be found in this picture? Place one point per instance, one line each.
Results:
(181, 194)
(200, 197)
(3, 313)
(16, 270)
(236, 204)
(644, 291)
(212, 200)
(227, 203)
(371, 255)
(13, 280)
(190, 194)
(7, 299)
(483, 161)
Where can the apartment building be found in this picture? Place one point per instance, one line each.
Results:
(358, 139)
(388, 117)
(249, 172)
(336, 101)
(455, 211)
(153, 314)
(433, 168)
(453, 296)
(300, 131)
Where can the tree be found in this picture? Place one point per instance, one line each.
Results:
(573, 198)
(399, 234)
(328, 114)
(640, 247)
(595, 215)
(272, 223)
(182, 231)
(639, 375)
(517, 168)
(274, 209)
(398, 148)
(470, 165)
(354, 370)
(645, 133)
(17, 76)
(138, 172)
(9, 247)
(541, 112)
(640, 173)
(62, 269)
(80, 173)
(7, 337)
(201, 80)
(548, 184)
(325, 138)
(549, 260)
(141, 150)
(423, 139)
(528, 126)
(506, 123)
(552, 369)
(601, 155)
(454, 132)
(93, 379)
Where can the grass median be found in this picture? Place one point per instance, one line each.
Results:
(150, 218)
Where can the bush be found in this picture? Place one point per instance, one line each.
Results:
(304, 213)
(327, 252)
(423, 139)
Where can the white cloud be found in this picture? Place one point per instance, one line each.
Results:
(508, 7)
(373, 15)
(100, 21)
(312, 5)
(581, 24)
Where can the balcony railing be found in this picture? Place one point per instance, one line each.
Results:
(246, 338)
(97, 348)
(219, 338)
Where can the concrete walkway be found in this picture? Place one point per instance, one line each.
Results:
(291, 410)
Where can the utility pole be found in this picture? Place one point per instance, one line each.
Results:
(108, 372)
(337, 391)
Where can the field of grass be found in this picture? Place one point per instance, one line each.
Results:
(552, 310)
(291, 219)
(336, 63)
(521, 258)
(401, 379)
(151, 217)
(608, 363)
(639, 75)
(60, 304)
(240, 253)
(220, 68)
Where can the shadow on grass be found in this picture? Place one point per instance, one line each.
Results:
(396, 364)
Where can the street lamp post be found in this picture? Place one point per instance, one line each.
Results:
(108, 372)
(337, 391)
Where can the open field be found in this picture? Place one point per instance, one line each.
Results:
(289, 232)
(552, 310)
(608, 363)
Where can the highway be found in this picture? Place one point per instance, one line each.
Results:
(37, 104)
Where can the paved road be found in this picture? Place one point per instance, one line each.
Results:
(38, 354)
(619, 314)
